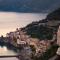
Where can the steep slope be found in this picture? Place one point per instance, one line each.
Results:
(46, 28)
(55, 15)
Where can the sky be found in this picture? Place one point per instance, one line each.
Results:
(29, 5)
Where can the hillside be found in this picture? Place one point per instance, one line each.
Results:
(55, 15)
(44, 29)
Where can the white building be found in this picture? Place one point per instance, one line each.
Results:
(20, 42)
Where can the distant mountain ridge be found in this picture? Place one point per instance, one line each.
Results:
(54, 15)
(29, 5)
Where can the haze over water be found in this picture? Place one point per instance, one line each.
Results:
(9, 21)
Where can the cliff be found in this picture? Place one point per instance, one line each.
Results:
(44, 29)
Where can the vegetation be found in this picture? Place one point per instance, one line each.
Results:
(33, 51)
(48, 54)
(15, 39)
(33, 48)
(41, 32)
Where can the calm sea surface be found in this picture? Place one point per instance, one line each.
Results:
(12, 58)
(4, 51)
(9, 21)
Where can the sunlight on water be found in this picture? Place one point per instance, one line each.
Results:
(11, 58)
(5, 52)
(5, 48)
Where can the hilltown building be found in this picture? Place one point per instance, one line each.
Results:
(19, 38)
(16, 36)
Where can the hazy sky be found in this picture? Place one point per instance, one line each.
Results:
(9, 21)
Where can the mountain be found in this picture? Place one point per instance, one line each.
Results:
(55, 15)
(29, 5)
(46, 28)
